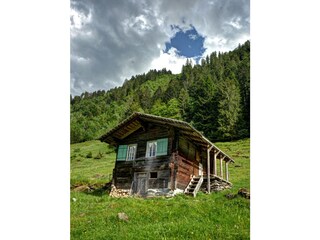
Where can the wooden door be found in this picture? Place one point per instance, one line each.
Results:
(142, 183)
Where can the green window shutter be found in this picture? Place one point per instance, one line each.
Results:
(122, 153)
(162, 147)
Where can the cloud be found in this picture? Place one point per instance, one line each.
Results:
(193, 36)
(113, 40)
(170, 60)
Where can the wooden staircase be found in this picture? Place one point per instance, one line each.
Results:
(194, 186)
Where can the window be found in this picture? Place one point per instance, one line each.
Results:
(151, 149)
(122, 152)
(127, 152)
(157, 147)
(153, 174)
(162, 145)
(131, 152)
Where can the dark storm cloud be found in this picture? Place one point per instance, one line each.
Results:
(112, 40)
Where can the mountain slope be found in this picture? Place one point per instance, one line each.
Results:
(214, 96)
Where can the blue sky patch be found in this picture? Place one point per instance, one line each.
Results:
(188, 43)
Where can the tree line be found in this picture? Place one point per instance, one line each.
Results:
(213, 96)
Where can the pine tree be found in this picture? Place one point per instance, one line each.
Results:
(228, 109)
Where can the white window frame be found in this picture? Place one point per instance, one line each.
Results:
(148, 149)
(129, 154)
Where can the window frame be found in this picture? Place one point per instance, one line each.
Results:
(128, 151)
(148, 149)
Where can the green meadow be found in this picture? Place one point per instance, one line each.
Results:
(94, 215)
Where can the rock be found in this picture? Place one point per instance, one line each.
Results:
(123, 216)
(244, 193)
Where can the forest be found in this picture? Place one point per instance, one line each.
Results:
(213, 96)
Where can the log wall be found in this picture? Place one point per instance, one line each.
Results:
(151, 132)
(173, 171)
(124, 172)
(187, 165)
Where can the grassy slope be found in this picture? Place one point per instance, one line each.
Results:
(93, 170)
(94, 215)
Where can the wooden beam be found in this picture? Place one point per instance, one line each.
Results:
(227, 171)
(215, 162)
(221, 170)
(208, 168)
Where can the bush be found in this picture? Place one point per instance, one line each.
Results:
(99, 155)
(89, 155)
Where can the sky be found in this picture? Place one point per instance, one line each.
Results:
(112, 40)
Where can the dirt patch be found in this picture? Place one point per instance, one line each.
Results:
(81, 188)
(87, 188)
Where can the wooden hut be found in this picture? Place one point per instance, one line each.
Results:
(165, 156)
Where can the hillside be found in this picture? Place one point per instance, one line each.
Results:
(214, 96)
(94, 213)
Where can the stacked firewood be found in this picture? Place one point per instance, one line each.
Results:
(119, 192)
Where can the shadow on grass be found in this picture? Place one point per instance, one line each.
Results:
(97, 190)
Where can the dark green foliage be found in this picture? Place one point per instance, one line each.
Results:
(228, 109)
(213, 96)
(219, 102)
(89, 155)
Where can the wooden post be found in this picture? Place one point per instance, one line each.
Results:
(215, 162)
(208, 168)
(221, 170)
(227, 171)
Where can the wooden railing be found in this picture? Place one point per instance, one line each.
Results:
(198, 186)
(186, 189)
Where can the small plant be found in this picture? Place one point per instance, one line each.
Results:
(99, 155)
(89, 155)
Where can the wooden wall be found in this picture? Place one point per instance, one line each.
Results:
(174, 170)
(151, 132)
(124, 170)
(187, 157)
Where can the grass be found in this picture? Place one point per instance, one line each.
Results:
(94, 214)
(94, 170)
(240, 170)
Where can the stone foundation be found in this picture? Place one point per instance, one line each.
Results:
(219, 186)
(164, 192)
(215, 186)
